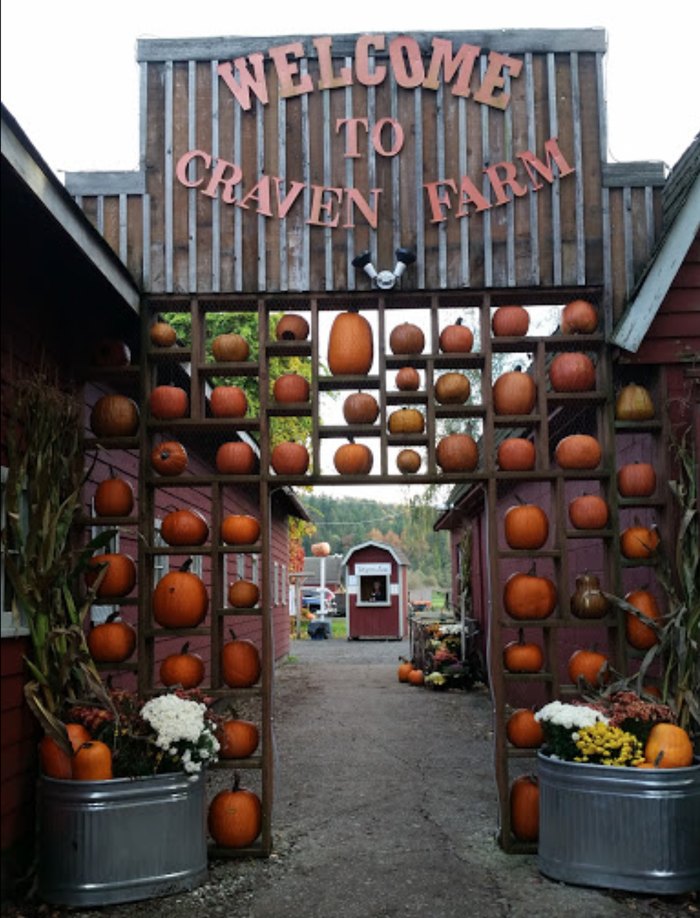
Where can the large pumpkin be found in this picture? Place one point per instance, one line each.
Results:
(350, 345)
(523, 730)
(516, 454)
(456, 339)
(119, 579)
(184, 527)
(588, 511)
(290, 458)
(238, 739)
(406, 421)
(240, 663)
(639, 634)
(636, 479)
(169, 402)
(668, 746)
(574, 372)
(228, 402)
(589, 666)
(240, 529)
(235, 458)
(230, 347)
(634, 403)
(452, 389)
(180, 599)
(457, 452)
(579, 317)
(114, 416)
(526, 526)
(578, 451)
(112, 641)
(291, 387)
(407, 339)
(243, 594)
(360, 408)
(529, 596)
(525, 808)
(113, 497)
(510, 321)
(514, 392)
(184, 668)
(234, 818)
(169, 458)
(639, 542)
(353, 459)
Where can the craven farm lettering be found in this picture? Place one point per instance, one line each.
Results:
(273, 196)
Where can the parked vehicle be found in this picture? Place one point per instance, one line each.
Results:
(311, 600)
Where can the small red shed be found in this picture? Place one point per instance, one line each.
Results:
(376, 578)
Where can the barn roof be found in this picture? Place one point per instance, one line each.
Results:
(680, 226)
(399, 556)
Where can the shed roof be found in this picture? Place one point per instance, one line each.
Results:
(399, 556)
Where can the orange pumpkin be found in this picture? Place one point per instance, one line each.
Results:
(514, 392)
(416, 677)
(291, 387)
(53, 760)
(112, 641)
(579, 317)
(529, 596)
(456, 339)
(235, 458)
(169, 458)
(353, 459)
(668, 746)
(526, 526)
(228, 402)
(113, 497)
(184, 527)
(92, 761)
(114, 416)
(230, 347)
(292, 327)
(238, 739)
(408, 461)
(588, 511)
(350, 345)
(510, 321)
(169, 402)
(243, 594)
(119, 579)
(457, 452)
(590, 666)
(572, 372)
(240, 529)
(240, 662)
(360, 408)
(522, 656)
(639, 542)
(406, 421)
(184, 668)
(234, 818)
(639, 634)
(636, 479)
(405, 667)
(162, 334)
(180, 599)
(408, 379)
(523, 730)
(407, 339)
(290, 458)
(578, 451)
(452, 389)
(525, 808)
(516, 454)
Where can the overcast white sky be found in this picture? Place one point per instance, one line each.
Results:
(70, 78)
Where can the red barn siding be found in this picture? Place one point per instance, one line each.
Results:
(382, 621)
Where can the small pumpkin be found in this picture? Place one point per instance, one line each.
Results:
(238, 739)
(169, 458)
(184, 527)
(408, 461)
(579, 317)
(114, 416)
(54, 761)
(668, 746)
(113, 497)
(456, 339)
(525, 808)
(119, 579)
(510, 321)
(240, 662)
(240, 529)
(230, 347)
(528, 595)
(589, 511)
(526, 526)
(405, 667)
(360, 408)
(112, 641)
(180, 599)
(636, 479)
(407, 338)
(290, 458)
(457, 452)
(588, 600)
(408, 379)
(516, 454)
(243, 594)
(523, 656)
(92, 761)
(514, 392)
(572, 372)
(416, 677)
(235, 458)
(162, 334)
(234, 818)
(578, 451)
(111, 352)
(524, 730)
(452, 389)
(639, 634)
(320, 549)
(406, 421)
(353, 459)
(634, 403)
(292, 327)
(350, 345)
(228, 402)
(291, 387)
(639, 542)
(185, 669)
(589, 667)
(169, 402)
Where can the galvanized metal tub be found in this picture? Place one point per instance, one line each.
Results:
(103, 842)
(620, 828)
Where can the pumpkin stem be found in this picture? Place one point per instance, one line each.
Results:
(185, 647)
(236, 780)
(459, 321)
(521, 635)
(187, 565)
(232, 633)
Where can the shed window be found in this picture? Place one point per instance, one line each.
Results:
(374, 590)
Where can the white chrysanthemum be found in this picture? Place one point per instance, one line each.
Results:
(570, 716)
(180, 729)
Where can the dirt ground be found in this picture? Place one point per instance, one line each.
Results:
(385, 807)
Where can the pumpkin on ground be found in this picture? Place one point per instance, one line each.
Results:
(589, 667)
(184, 527)
(668, 746)
(525, 808)
(180, 599)
(228, 402)
(510, 321)
(169, 458)
(240, 529)
(526, 526)
(639, 633)
(169, 402)
(92, 761)
(113, 497)
(234, 818)
(120, 576)
(523, 730)
(230, 347)
(240, 662)
(529, 596)
(350, 345)
(416, 677)
(353, 459)
(514, 392)
(114, 416)
(405, 667)
(184, 668)
(112, 641)
(238, 739)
